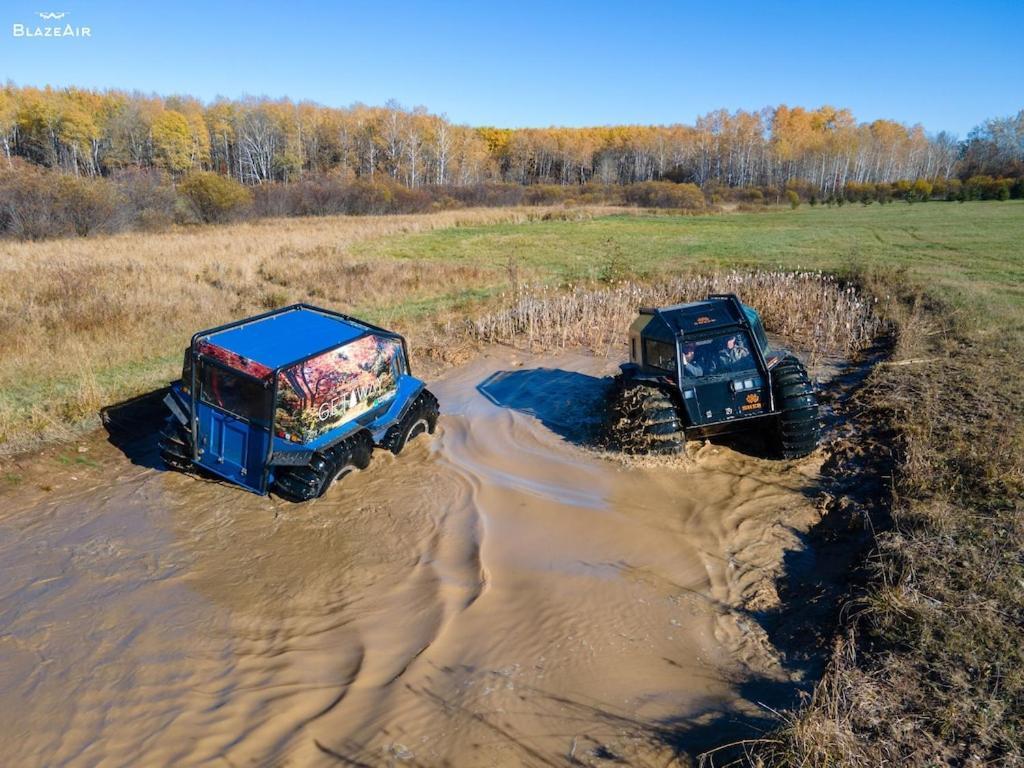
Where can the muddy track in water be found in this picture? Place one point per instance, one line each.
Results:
(499, 594)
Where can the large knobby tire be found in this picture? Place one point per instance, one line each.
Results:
(327, 467)
(797, 428)
(644, 419)
(419, 419)
(175, 445)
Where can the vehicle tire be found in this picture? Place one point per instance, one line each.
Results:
(175, 444)
(326, 468)
(644, 419)
(342, 462)
(421, 417)
(362, 449)
(797, 428)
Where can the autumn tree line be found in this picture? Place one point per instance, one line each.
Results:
(82, 161)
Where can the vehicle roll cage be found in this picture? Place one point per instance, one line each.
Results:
(272, 380)
(740, 321)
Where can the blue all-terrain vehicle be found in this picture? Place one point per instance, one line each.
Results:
(706, 368)
(293, 400)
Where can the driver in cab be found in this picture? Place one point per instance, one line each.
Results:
(690, 367)
(733, 351)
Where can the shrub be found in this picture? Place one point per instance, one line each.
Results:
(922, 190)
(547, 194)
(748, 195)
(367, 197)
(804, 188)
(146, 200)
(85, 205)
(794, 199)
(664, 194)
(27, 197)
(981, 187)
(215, 198)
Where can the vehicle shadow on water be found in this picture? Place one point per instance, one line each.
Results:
(570, 404)
(133, 427)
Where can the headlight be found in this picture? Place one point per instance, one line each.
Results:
(739, 385)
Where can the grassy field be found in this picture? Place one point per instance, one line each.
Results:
(84, 322)
(930, 666)
(970, 252)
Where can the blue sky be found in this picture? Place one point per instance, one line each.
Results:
(945, 65)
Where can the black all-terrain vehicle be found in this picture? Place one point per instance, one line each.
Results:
(706, 368)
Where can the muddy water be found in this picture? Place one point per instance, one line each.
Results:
(500, 594)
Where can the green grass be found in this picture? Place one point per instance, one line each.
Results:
(410, 311)
(971, 252)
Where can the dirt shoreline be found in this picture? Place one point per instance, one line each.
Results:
(502, 594)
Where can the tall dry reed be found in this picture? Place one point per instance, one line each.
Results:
(813, 310)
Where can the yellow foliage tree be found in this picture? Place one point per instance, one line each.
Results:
(172, 141)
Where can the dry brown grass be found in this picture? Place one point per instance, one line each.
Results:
(814, 310)
(87, 321)
(930, 668)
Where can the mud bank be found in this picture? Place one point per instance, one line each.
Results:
(500, 594)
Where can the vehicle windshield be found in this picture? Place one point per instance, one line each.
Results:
(724, 355)
(239, 395)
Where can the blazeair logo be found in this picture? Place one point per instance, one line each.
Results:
(753, 402)
(50, 30)
(753, 397)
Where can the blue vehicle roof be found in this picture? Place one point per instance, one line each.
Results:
(286, 337)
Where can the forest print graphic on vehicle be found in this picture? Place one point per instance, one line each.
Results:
(320, 394)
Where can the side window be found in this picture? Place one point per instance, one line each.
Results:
(236, 394)
(186, 369)
(760, 337)
(660, 355)
(398, 365)
(756, 326)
